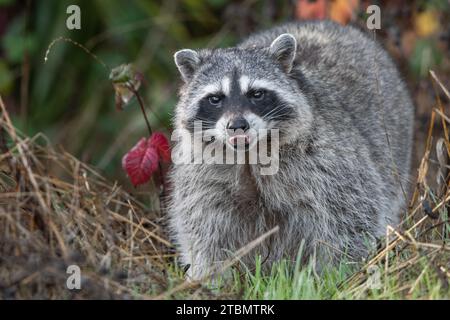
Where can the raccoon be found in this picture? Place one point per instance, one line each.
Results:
(345, 123)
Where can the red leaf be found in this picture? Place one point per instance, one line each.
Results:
(141, 162)
(160, 142)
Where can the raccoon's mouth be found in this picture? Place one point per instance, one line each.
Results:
(234, 140)
(239, 142)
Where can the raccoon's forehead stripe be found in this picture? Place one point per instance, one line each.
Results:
(244, 84)
(264, 84)
(247, 84)
(222, 86)
(208, 89)
(226, 86)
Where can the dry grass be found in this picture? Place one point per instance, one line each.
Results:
(56, 211)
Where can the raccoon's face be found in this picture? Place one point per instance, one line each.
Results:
(240, 94)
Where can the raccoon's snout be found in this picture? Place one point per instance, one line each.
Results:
(238, 132)
(238, 124)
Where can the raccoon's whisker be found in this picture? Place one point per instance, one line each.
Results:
(278, 115)
(203, 119)
(274, 112)
(269, 114)
(206, 122)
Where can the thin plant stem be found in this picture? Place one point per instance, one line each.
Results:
(76, 44)
(141, 104)
(160, 172)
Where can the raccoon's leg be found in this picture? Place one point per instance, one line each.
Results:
(198, 249)
(201, 226)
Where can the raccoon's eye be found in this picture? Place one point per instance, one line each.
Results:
(256, 95)
(215, 99)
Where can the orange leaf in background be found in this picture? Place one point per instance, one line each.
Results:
(341, 11)
(426, 23)
(309, 10)
(408, 42)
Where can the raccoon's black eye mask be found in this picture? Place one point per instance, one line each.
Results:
(262, 102)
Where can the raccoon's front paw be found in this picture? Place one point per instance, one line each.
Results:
(197, 272)
(214, 276)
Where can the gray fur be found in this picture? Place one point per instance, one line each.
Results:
(344, 160)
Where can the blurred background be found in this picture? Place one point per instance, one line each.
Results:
(71, 100)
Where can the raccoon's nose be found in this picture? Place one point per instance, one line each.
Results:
(238, 123)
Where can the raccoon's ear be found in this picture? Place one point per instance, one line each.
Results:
(283, 50)
(187, 61)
